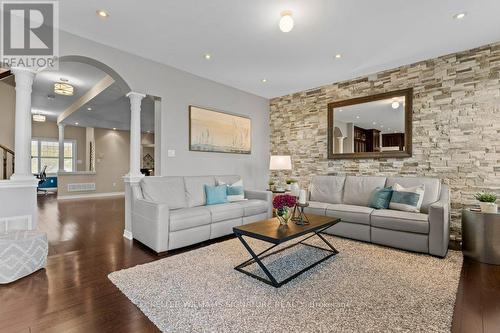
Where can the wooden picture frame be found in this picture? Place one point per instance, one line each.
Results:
(215, 131)
(408, 122)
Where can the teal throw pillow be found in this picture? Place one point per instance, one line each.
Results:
(216, 194)
(381, 198)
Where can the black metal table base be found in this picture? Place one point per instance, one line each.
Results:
(257, 258)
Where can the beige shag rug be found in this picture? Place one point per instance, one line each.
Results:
(365, 288)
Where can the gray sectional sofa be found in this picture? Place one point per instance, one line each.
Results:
(347, 197)
(171, 212)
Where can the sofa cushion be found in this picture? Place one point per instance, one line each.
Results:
(253, 207)
(350, 213)
(380, 198)
(327, 189)
(195, 190)
(401, 221)
(358, 189)
(432, 188)
(315, 207)
(216, 194)
(408, 199)
(169, 190)
(225, 211)
(230, 179)
(186, 218)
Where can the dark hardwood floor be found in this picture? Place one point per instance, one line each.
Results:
(73, 293)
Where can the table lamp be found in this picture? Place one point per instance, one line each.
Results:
(279, 163)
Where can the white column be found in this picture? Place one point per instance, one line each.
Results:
(135, 133)
(22, 139)
(134, 175)
(61, 146)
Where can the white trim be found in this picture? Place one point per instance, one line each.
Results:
(127, 234)
(28, 219)
(90, 195)
(18, 183)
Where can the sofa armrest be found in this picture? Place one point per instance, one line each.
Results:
(439, 224)
(150, 223)
(262, 195)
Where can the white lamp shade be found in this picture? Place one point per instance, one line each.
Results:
(280, 162)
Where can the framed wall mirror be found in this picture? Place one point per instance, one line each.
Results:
(377, 126)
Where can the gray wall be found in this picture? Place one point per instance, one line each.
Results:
(179, 89)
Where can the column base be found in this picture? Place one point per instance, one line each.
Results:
(28, 179)
(133, 178)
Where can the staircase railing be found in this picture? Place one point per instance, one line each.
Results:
(5, 152)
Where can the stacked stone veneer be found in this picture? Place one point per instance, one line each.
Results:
(456, 124)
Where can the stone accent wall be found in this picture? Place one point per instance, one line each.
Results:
(456, 124)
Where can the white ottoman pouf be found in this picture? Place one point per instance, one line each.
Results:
(22, 252)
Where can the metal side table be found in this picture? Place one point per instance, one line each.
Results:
(481, 236)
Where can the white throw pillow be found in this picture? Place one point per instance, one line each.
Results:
(233, 188)
(407, 199)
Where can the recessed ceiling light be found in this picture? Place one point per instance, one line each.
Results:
(89, 109)
(389, 129)
(264, 80)
(207, 56)
(286, 21)
(338, 56)
(76, 124)
(148, 131)
(459, 16)
(114, 128)
(102, 13)
(395, 105)
(340, 110)
(374, 123)
(381, 126)
(357, 117)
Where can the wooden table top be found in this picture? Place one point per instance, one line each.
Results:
(271, 231)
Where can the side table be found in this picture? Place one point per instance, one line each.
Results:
(481, 236)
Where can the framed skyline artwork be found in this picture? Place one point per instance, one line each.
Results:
(219, 132)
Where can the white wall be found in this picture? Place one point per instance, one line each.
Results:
(179, 89)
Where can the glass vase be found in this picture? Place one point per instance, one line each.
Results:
(283, 215)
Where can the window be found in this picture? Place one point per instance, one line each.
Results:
(46, 152)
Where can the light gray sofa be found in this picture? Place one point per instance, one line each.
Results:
(171, 212)
(348, 198)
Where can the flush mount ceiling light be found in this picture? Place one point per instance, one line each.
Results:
(89, 109)
(39, 117)
(459, 16)
(286, 21)
(63, 89)
(338, 56)
(102, 13)
(264, 80)
(207, 56)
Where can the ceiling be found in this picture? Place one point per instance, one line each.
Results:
(246, 45)
(109, 109)
(374, 115)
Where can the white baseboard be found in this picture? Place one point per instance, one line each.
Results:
(90, 195)
(127, 234)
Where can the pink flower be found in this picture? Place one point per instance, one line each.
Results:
(285, 200)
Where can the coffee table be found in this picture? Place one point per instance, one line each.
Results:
(270, 231)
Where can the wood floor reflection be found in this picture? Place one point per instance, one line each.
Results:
(73, 293)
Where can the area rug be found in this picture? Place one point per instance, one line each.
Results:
(365, 288)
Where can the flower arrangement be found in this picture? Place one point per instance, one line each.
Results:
(282, 205)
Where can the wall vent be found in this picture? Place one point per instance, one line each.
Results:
(81, 187)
